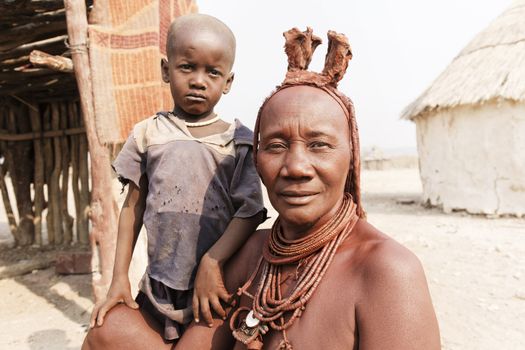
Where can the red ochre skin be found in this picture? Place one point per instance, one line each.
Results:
(374, 294)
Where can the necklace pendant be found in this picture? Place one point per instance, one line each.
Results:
(246, 334)
(250, 331)
(251, 321)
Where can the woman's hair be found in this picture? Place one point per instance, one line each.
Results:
(300, 47)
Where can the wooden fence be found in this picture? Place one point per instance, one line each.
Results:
(45, 156)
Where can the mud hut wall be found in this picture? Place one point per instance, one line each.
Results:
(465, 162)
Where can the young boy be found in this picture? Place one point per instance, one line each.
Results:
(192, 183)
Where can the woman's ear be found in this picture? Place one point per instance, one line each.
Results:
(259, 173)
(228, 84)
(165, 70)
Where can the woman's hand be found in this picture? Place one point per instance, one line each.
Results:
(119, 292)
(209, 290)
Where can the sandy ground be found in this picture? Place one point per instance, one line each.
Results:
(475, 267)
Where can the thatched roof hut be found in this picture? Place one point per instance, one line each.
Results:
(471, 123)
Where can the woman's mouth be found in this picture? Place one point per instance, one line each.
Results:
(297, 197)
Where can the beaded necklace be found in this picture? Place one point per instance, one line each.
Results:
(315, 252)
(204, 123)
(198, 124)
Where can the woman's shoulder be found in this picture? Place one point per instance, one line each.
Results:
(252, 249)
(391, 277)
(242, 264)
(382, 256)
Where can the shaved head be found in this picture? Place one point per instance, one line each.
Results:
(190, 25)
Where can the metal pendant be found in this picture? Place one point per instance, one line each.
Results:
(250, 329)
(251, 321)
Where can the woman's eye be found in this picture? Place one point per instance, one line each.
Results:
(320, 145)
(275, 147)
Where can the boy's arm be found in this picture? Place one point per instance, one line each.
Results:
(209, 285)
(236, 271)
(130, 223)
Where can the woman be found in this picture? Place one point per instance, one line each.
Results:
(322, 277)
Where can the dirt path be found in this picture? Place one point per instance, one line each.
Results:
(475, 267)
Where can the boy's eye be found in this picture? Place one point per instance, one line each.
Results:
(185, 67)
(215, 72)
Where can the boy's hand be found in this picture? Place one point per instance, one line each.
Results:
(209, 289)
(119, 292)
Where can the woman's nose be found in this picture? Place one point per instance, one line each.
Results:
(297, 163)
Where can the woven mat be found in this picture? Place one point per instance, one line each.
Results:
(126, 45)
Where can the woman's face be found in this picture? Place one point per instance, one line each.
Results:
(304, 156)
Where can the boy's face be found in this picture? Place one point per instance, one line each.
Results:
(198, 72)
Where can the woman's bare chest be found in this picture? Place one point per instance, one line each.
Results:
(327, 321)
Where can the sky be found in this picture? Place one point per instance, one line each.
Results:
(399, 48)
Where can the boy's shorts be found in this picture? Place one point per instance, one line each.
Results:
(170, 307)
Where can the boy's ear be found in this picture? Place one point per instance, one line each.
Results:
(228, 84)
(165, 71)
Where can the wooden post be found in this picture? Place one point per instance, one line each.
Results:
(13, 225)
(103, 211)
(38, 180)
(54, 182)
(20, 165)
(64, 145)
(83, 175)
(48, 170)
(79, 177)
(11, 219)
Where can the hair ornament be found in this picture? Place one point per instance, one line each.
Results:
(299, 48)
